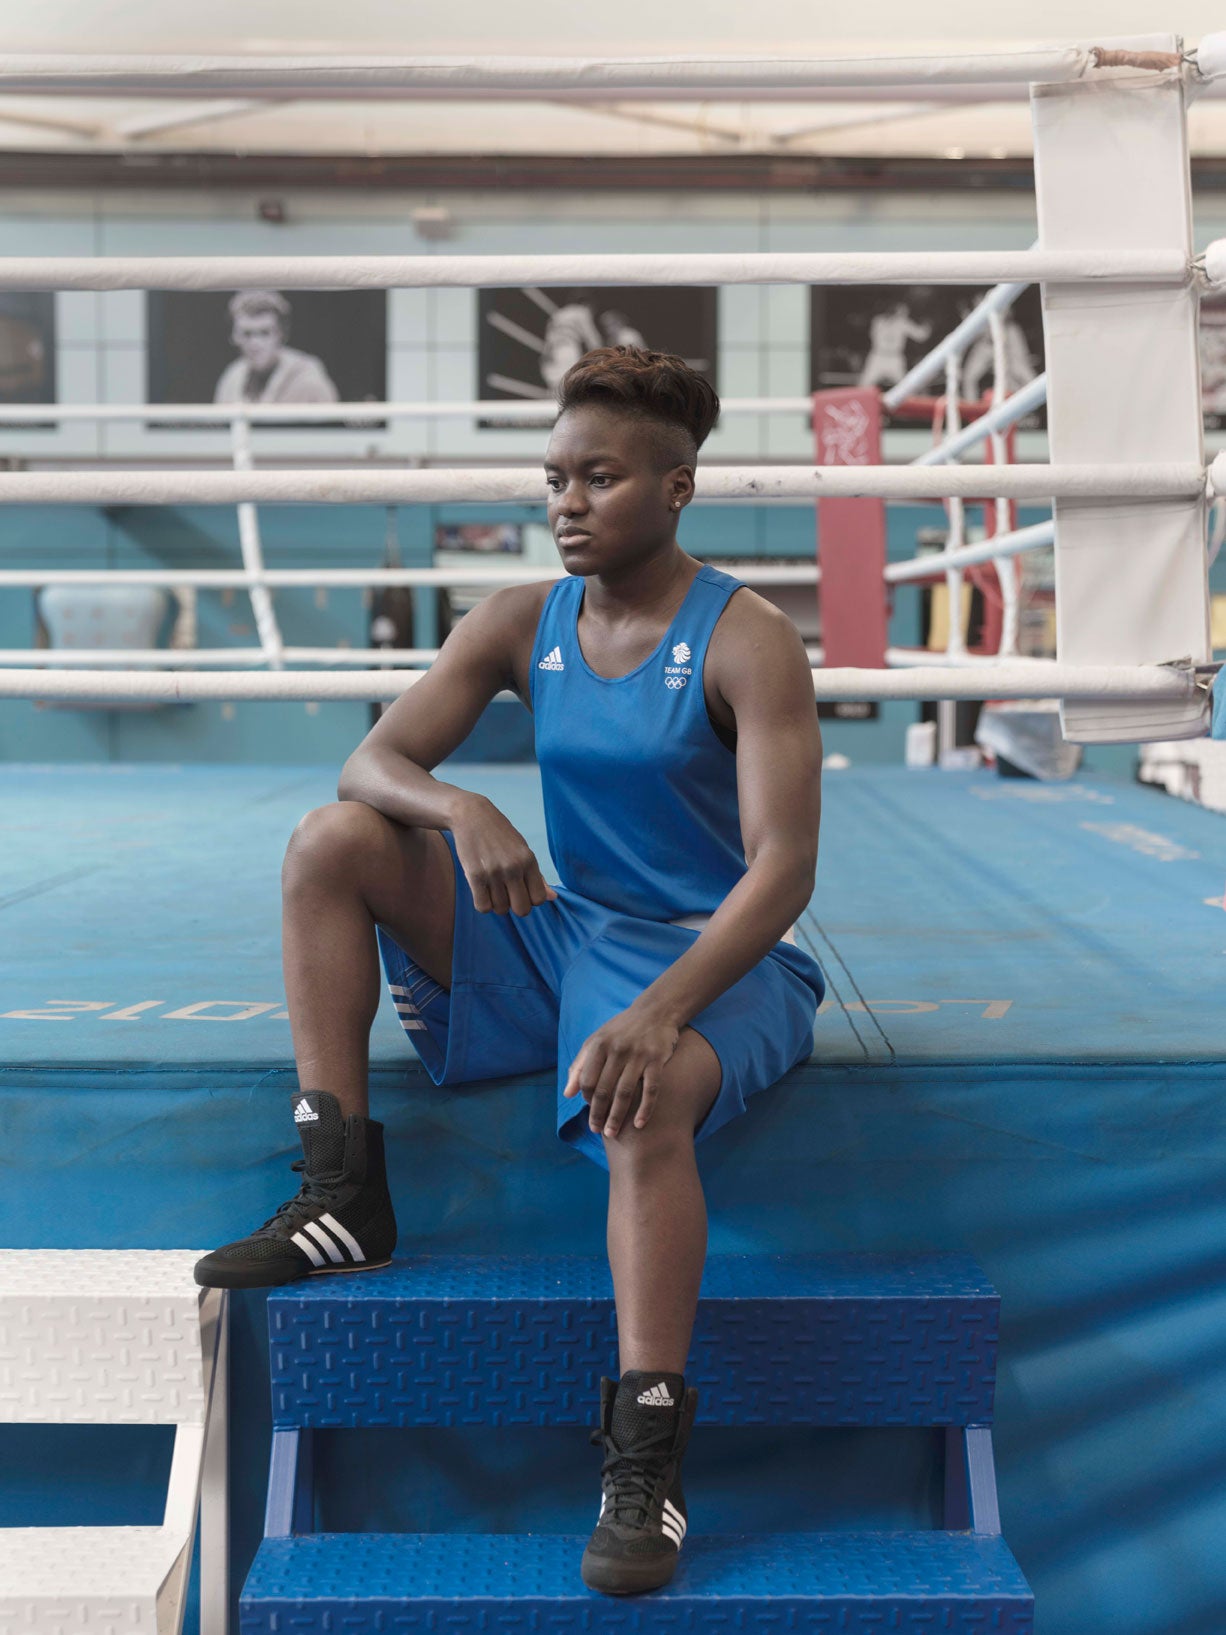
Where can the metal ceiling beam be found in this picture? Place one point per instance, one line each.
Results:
(729, 172)
(210, 113)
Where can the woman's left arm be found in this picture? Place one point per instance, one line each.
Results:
(763, 673)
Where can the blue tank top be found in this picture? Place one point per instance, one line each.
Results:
(640, 794)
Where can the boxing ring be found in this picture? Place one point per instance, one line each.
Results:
(1019, 1053)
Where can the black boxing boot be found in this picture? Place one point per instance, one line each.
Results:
(340, 1221)
(645, 1422)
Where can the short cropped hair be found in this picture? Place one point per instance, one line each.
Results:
(256, 303)
(656, 387)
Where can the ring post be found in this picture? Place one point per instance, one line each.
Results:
(1123, 386)
(851, 540)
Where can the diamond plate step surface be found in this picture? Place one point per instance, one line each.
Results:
(472, 1340)
(470, 1584)
(94, 1336)
(102, 1580)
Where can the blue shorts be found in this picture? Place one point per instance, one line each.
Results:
(527, 992)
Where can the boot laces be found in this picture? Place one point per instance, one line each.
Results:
(635, 1475)
(311, 1195)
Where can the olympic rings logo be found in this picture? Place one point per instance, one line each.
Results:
(674, 681)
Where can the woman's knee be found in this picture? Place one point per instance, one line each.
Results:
(335, 839)
(662, 1142)
(689, 1088)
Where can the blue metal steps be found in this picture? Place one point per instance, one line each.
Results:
(864, 1340)
(473, 1583)
(474, 1340)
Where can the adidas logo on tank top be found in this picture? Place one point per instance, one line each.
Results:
(552, 661)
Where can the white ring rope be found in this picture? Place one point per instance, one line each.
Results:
(496, 485)
(499, 570)
(364, 414)
(1006, 574)
(169, 658)
(465, 78)
(1007, 541)
(999, 418)
(959, 338)
(956, 535)
(1015, 543)
(267, 628)
(1033, 678)
(321, 272)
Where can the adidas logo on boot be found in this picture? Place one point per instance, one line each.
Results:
(340, 1221)
(657, 1397)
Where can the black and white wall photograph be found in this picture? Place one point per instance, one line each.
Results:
(528, 338)
(267, 346)
(872, 334)
(27, 347)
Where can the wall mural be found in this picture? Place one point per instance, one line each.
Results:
(528, 338)
(266, 346)
(27, 347)
(872, 334)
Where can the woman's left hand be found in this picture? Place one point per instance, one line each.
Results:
(619, 1068)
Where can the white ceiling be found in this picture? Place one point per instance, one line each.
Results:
(559, 28)
(562, 26)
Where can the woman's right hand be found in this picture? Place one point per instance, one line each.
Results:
(500, 866)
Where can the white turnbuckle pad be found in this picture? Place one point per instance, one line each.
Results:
(119, 1337)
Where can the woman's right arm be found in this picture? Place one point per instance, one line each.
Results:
(391, 768)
